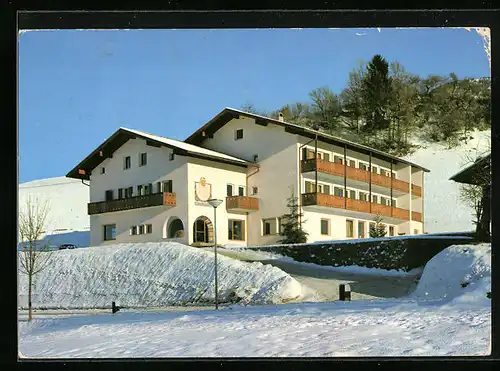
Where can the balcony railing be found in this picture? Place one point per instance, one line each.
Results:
(337, 202)
(361, 175)
(242, 203)
(156, 199)
(415, 216)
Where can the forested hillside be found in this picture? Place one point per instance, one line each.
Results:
(390, 109)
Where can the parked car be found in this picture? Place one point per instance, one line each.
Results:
(67, 246)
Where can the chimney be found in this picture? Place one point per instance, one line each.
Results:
(280, 117)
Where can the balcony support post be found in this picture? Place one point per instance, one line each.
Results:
(316, 161)
(370, 182)
(391, 188)
(345, 176)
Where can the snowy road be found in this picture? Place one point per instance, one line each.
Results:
(324, 283)
(339, 329)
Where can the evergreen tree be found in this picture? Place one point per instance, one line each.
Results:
(376, 94)
(291, 228)
(379, 229)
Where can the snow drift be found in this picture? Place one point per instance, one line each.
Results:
(460, 273)
(152, 275)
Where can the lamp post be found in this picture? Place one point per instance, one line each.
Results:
(214, 203)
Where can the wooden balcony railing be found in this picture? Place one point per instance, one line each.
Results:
(415, 216)
(242, 203)
(353, 173)
(156, 199)
(321, 199)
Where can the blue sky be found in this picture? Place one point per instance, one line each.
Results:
(77, 87)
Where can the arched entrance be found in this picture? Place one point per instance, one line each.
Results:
(175, 228)
(203, 230)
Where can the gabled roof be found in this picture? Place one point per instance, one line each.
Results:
(468, 175)
(227, 114)
(122, 135)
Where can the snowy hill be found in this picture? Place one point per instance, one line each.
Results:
(68, 198)
(443, 209)
(151, 275)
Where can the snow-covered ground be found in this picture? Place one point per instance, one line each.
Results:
(450, 320)
(68, 221)
(443, 209)
(151, 275)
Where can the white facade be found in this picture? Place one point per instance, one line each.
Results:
(273, 169)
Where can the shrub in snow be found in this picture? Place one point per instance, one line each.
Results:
(153, 275)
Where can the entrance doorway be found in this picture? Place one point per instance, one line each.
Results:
(203, 231)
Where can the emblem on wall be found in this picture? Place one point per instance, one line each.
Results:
(202, 190)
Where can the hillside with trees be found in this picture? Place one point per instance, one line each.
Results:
(388, 108)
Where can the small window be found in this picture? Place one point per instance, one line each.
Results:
(375, 199)
(349, 228)
(351, 163)
(171, 156)
(141, 229)
(361, 229)
(363, 166)
(149, 228)
(238, 134)
(363, 196)
(129, 191)
(241, 191)
(236, 230)
(255, 190)
(255, 158)
(375, 169)
(269, 227)
(384, 201)
(126, 162)
(140, 190)
(391, 230)
(120, 193)
(393, 203)
(133, 230)
(103, 170)
(338, 159)
(326, 157)
(307, 154)
(351, 193)
(309, 187)
(143, 159)
(326, 189)
(168, 186)
(229, 190)
(387, 174)
(109, 232)
(109, 195)
(339, 192)
(319, 188)
(415, 231)
(394, 175)
(325, 227)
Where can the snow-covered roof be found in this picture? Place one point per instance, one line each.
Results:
(467, 174)
(228, 113)
(122, 135)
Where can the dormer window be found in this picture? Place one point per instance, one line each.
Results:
(238, 134)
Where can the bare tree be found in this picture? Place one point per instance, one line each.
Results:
(35, 253)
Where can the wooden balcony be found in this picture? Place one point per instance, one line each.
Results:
(415, 216)
(157, 199)
(353, 173)
(321, 199)
(242, 204)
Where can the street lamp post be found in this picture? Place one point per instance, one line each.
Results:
(214, 203)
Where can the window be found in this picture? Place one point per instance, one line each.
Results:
(133, 230)
(128, 192)
(241, 191)
(361, 229)
(325, 227)
(171, 156)
(143, 159)
(393, 203)
(339, 192)
(149, 189)
(326, 157)
(384, 201)
(120, 193)
(415, 231)
(351, 163)
(338, 159)
(109, 195)
(103, 170)
(375, 169)
(307, 154)
(375, 199)
(255, 190)
(238, 134)
(236, 230)
(168, 186)
(126, 162)
(319, 188)
(387, 173)
(229, 190)
(141, 229)
(149, 228)
(349, 230)
(158, 187)
(363, 196)
(363, 166)
(326, 189)
(140, 191)
(391, 230)
(269, 227)
(351, 194)
(255, 158)
(394, 175)
(309, 187)
(109, 232)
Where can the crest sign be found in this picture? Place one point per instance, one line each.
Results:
(202, 190)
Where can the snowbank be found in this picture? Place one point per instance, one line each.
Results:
(458, 274)
(152, 275)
